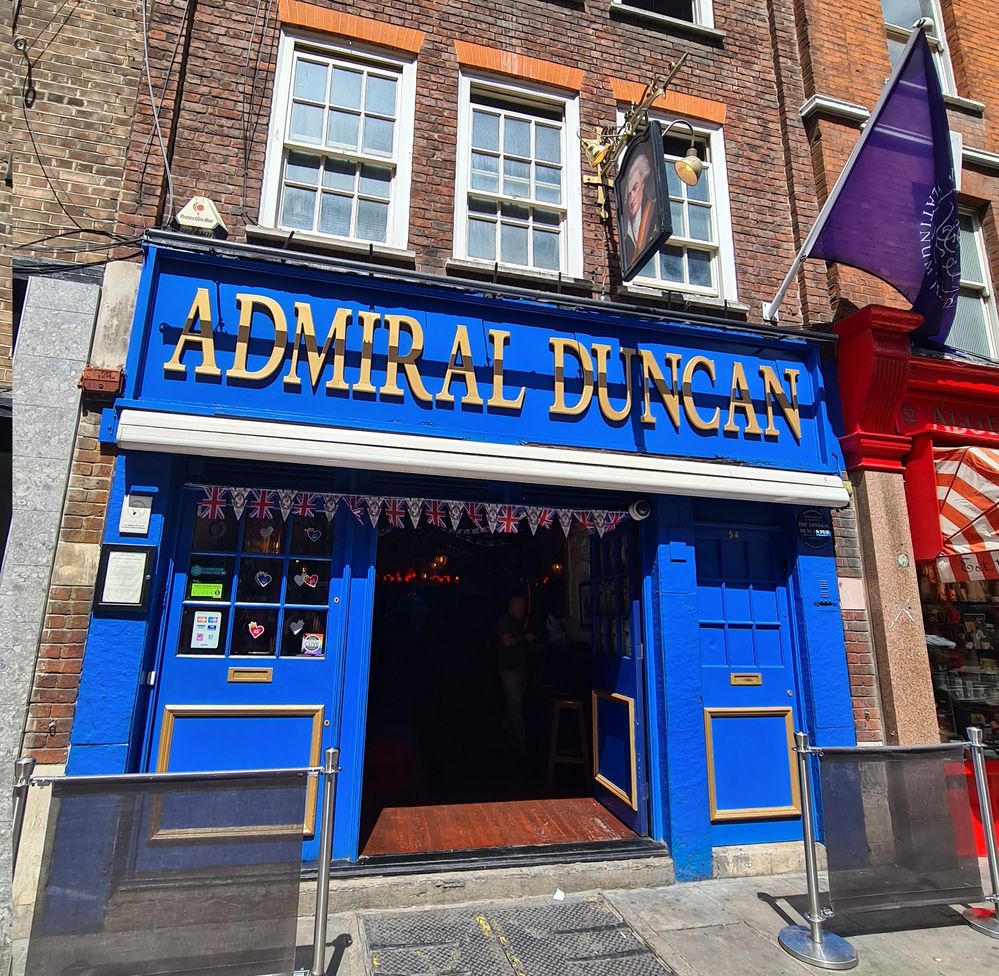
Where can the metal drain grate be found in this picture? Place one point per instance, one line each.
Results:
(577, 937)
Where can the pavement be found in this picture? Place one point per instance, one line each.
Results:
(709, 928)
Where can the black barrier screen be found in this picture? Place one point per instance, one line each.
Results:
(171, 876)
(898, 828)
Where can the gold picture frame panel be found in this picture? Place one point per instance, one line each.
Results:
(629, 797)
(751, 813)
(172, 712)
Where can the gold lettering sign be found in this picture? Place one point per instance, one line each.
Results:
(667, 378)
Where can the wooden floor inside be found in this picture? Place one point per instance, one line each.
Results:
(473, 826)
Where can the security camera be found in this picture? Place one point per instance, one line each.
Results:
(640, 509)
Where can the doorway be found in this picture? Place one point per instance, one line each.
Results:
(459, 754)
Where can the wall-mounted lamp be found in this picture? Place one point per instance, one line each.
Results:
(604, 150)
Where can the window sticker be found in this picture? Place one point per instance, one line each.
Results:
(206, 630)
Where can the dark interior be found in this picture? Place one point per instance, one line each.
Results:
(435, 701)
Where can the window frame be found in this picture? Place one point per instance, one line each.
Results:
(723, 260)
(525, 93)
(278, 146)
(704, 14)
(937, 42)
(984, 289)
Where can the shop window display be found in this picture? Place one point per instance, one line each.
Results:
(962, 637)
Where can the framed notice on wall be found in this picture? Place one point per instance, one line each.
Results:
(124, 575)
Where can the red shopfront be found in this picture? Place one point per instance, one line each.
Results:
(934, 419)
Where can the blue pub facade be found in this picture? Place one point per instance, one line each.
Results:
(348, 474)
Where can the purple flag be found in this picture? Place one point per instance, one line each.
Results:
(893, 211)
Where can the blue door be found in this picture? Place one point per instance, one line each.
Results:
(254, 623)
(618, 700)
(750, 691)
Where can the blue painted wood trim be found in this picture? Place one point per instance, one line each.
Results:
(682, 777)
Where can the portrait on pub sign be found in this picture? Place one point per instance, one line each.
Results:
(643, 215)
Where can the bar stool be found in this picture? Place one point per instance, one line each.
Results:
(581, 757)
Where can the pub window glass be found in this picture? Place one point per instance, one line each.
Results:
(975, 323)
(900, 15)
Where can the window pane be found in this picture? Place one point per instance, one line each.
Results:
(970, 324)
(895, 49)
(379, 97)
(673, 181)
(346, 91)
(298, 208)
(671, 264)
(971, 265)
(700, 223)
(485, 131)
(485, 172)
(306, 123)
(517, 137)
(310, 81)
(378, 135)
(304, 633)
(516, 179)
(680, 9)
(302, 169)
(343, 130)
(548, 217)
(334, 216)
(482, 239)
(514, 211)
(676, 214)
(545, 250)
(649, 270)
(513, 244)
(372, 220)
(254, 631)
(548, 181)
(548, 144)
(376, 181)
(699, 268)
(701, 190)
(339, 175)
(259, 581)
(904, 13)
(478, 205)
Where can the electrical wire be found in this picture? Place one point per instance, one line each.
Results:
(243, 110)
(154, 108)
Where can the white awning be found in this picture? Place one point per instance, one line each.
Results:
(340, 447)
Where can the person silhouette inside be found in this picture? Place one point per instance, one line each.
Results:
(513, 644)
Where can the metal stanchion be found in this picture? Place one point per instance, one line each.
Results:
(809, 943)
(331, 767)
(23, 768)
(984, 919)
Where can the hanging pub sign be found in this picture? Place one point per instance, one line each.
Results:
(644, 223)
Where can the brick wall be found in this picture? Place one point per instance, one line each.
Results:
(71, 108)
(860, 660)
(217, 120)
(64, 630)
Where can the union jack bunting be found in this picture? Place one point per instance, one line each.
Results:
(305, 504)
(262, 504)
(612, 520)
(395, 512)
(212, 506)
(546, 518)
(509, 519)
(436, 514)
(585, 519)
(356, 505)
(473, 510)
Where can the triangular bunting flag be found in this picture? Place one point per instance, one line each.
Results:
(546, 518)
(474, 511)
(329, 505)
(415, 507)
(492, 514)
(565, 520)
(395, 512)
(286, 498)
(356, 505)
(533, 518)
(454, 511)
(509, 519)
(239, 496)
(262, 504)
(614, 519)
(374, 503)
(599, 521)
(213, 503)
(437, 514)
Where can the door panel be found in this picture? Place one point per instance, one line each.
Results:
(748, 679)
(255, 613)
(618, 706)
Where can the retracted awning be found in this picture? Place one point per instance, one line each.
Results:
(265, 440)
(968, 492)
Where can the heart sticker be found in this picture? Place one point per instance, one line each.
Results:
(267, 531)
(314, 535)
(256, 630)
(312, 581)
(296, 626)
(263, 579)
